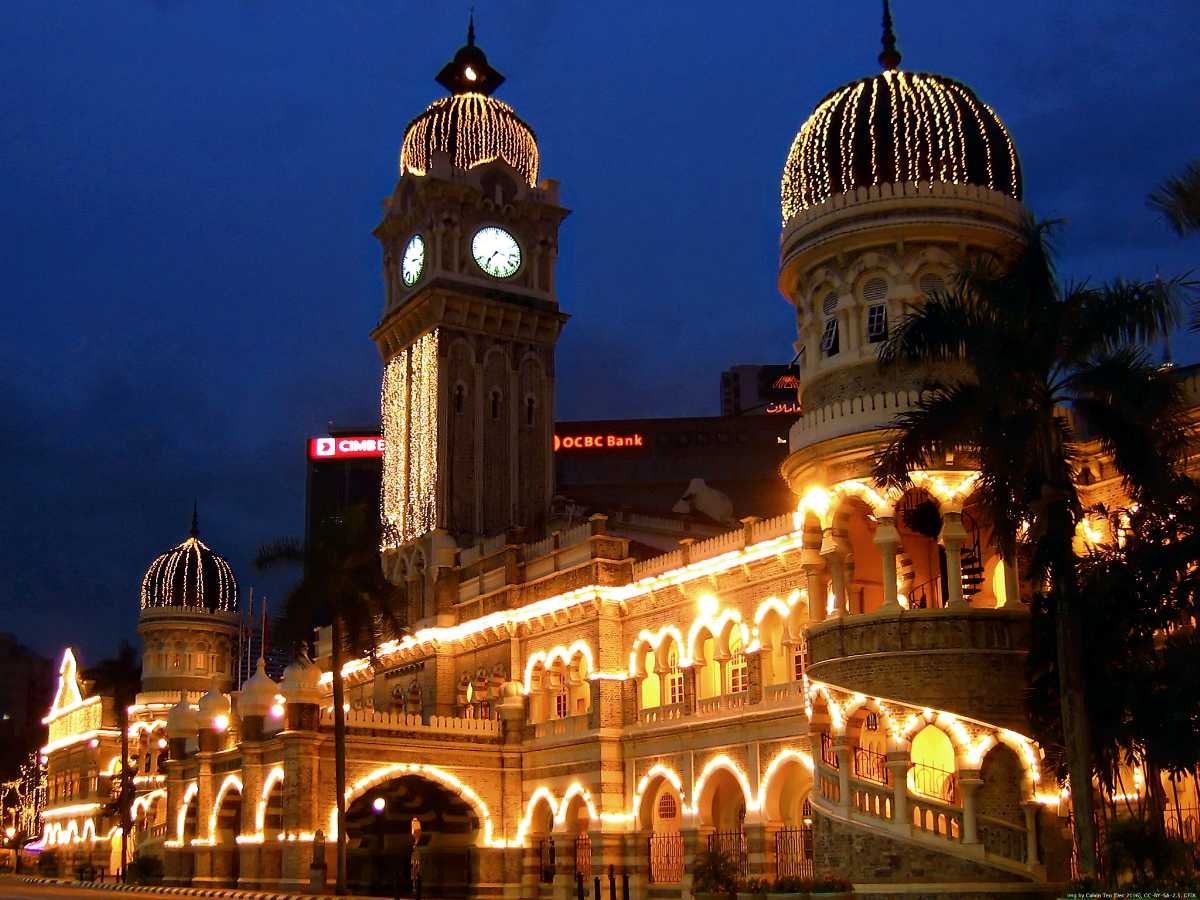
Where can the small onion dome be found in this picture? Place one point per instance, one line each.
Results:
(471, 129)
(182, 721)
(258, 694)
(893, 128)
(213, 705)
(469, 126)
(301, 682)
(190, 576)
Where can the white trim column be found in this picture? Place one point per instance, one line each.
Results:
(834, 551)
(887, 539)
(952, 536)
(970, 782)
(814, 585)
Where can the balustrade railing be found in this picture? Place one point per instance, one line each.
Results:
(661, 713)
(872, 801)
(1003, 838)
(794, 853)
(561, 727)
(830, 788)
(931, 781)
(784, 691)
(666, 858)
(936, 819)
(367, 719)
(871, 765)
(723, 702)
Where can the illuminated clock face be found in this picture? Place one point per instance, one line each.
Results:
(413, 263)
(496, 251)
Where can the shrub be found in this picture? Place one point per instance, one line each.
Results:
(830, 884)
(144, 870)
(792, 884)
(714, 874)
(47, 863)
(753, 886)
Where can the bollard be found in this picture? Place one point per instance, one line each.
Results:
(612, 882)
(579, 885)
(417, 888)
(624, 886)
(597, 887)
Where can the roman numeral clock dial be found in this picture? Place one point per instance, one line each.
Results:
(496, 252)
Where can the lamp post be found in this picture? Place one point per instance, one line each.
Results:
(378, 867)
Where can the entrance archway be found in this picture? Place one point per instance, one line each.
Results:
(226, 825)
(380, 830)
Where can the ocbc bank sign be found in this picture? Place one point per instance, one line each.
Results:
(598, 441)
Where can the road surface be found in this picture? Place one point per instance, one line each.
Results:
(11, 889)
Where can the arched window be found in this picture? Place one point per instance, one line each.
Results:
(495, 404)
(459, 398)
(667, 807)
(529, 408)
(674, 677)
(800, 660)
(739, 678)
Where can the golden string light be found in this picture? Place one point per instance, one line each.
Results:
(471, 129)
(190, 575)
(931, 129)
(408, 405)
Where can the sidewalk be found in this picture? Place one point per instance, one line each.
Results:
(230, 893)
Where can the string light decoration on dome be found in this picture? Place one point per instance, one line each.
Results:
(408, 406)
(898, 127)
(472, 129)
(190, 575)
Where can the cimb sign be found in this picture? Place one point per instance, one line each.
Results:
(344, 447)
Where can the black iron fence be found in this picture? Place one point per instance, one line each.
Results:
(546, 861)
(732, 846)
(583, 855)
(934, 782)
(794, 853)
(666, 858)
(872, 766)
(828, 754)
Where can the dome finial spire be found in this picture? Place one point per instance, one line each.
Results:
(195, 518)
(889, 58)
(471, 28)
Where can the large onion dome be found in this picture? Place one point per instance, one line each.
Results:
(190, 576)
(898, 127)
(470, 126)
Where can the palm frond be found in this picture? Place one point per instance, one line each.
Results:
(1136, 411)
(281, 551)
(1178, 200)
(943, 418)
(1118, 313)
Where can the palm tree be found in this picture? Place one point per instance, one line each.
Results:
(1178, 199)
(1031, 349)
(120, 677)
(342, 584)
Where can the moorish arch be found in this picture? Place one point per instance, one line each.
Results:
(401, 809)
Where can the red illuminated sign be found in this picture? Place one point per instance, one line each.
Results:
(345, 447)
(598, 441)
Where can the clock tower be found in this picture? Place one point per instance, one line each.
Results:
(470, 321)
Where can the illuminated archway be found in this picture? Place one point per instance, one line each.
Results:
(407, 809)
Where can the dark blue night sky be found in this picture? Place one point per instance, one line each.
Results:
(189, 191)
